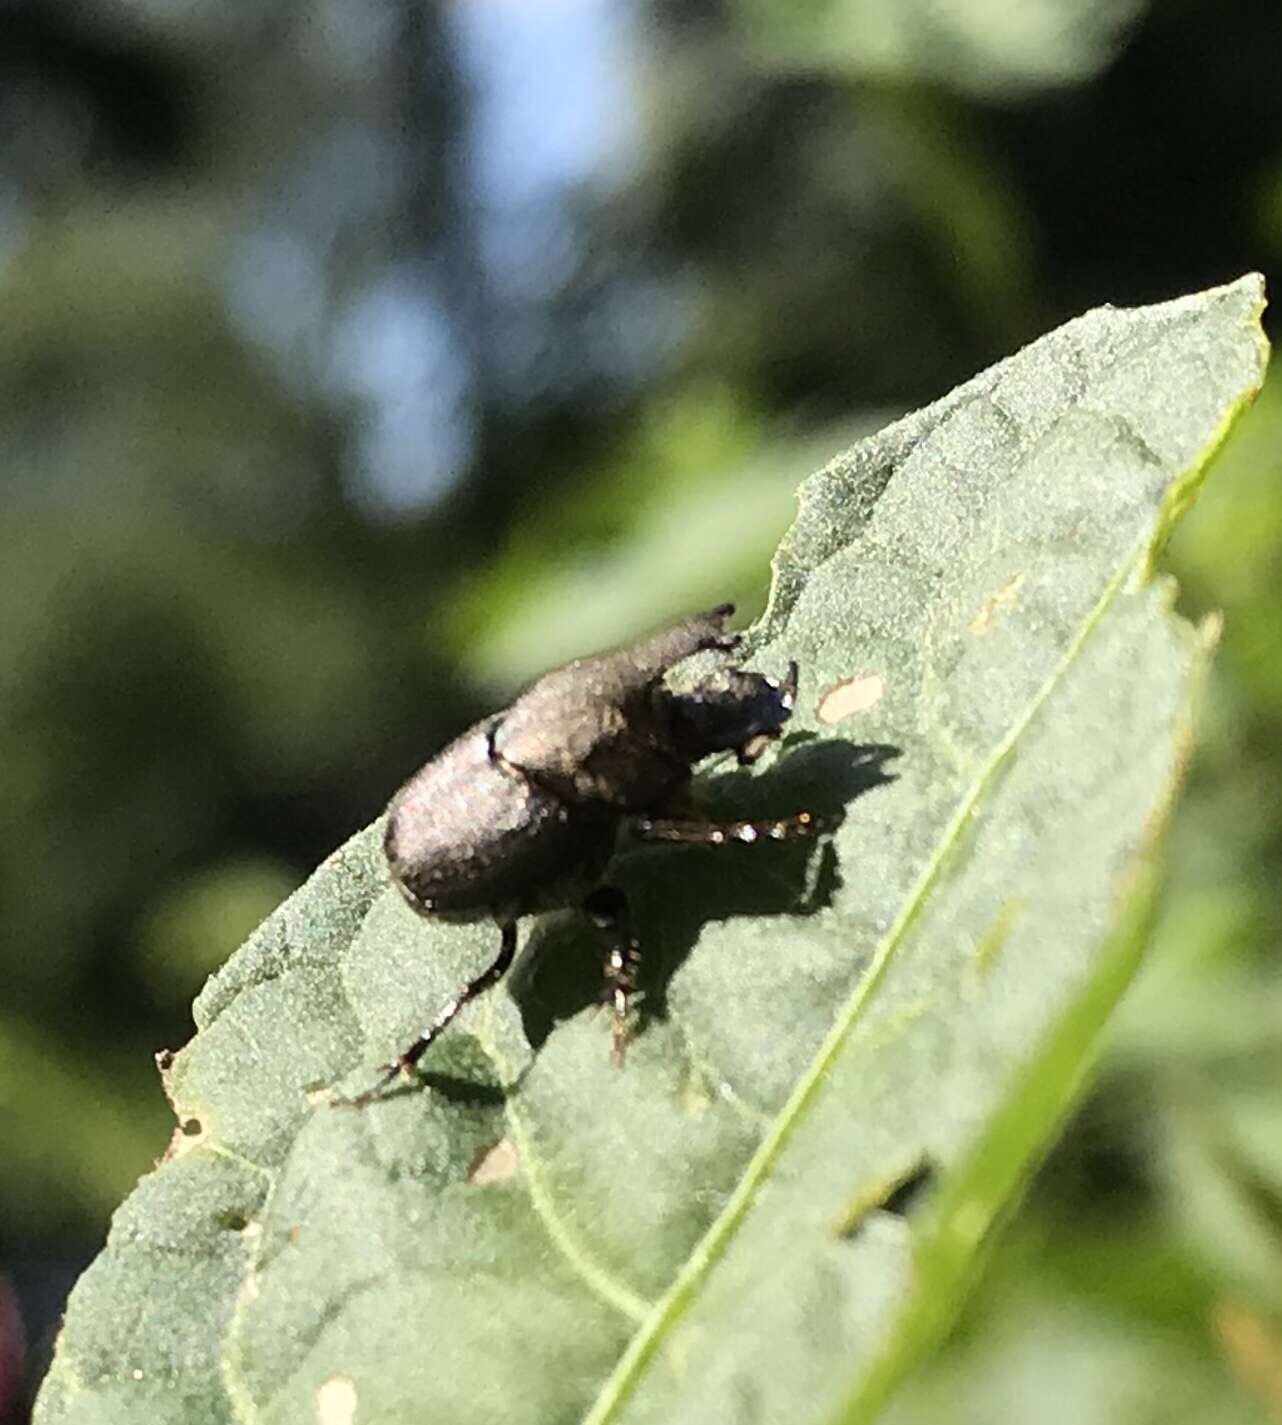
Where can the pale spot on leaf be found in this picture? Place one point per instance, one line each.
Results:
(851, 695)
(994, 604)
(990, 944)
(336, 1402)
(695, 1097)
(495, 1163)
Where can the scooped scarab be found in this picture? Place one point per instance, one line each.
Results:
(523, 811)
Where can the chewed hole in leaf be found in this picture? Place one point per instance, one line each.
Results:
(188, 1134)
(897, 1194)
(905, 1196)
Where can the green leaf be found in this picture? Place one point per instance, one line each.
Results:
(1050, 1359)
(989, 49)
(998, 699)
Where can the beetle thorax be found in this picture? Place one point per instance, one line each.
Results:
(594, 749)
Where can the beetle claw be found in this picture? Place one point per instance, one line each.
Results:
(401, 1068)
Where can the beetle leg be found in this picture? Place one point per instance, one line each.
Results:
(608, 908)
(404, 1063)
(686, 831)
(749, 752)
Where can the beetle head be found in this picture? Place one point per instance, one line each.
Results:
(732, 709)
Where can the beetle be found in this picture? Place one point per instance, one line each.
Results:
(522, 813)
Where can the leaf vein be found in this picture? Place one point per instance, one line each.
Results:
(614, 1293)
(712, 1246)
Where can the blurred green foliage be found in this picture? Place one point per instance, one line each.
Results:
(357, 362)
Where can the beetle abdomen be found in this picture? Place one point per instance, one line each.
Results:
(467, 834)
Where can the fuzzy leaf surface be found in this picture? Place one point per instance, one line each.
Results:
(994, 712)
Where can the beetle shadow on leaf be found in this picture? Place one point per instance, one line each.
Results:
(460, 1072)
(674, 890)
(467, 1092)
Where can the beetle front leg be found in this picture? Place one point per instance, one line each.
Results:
(404, 1063)
(608, 908)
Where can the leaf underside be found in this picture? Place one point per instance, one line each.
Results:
(993, 714)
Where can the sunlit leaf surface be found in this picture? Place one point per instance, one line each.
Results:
(853, 1048)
